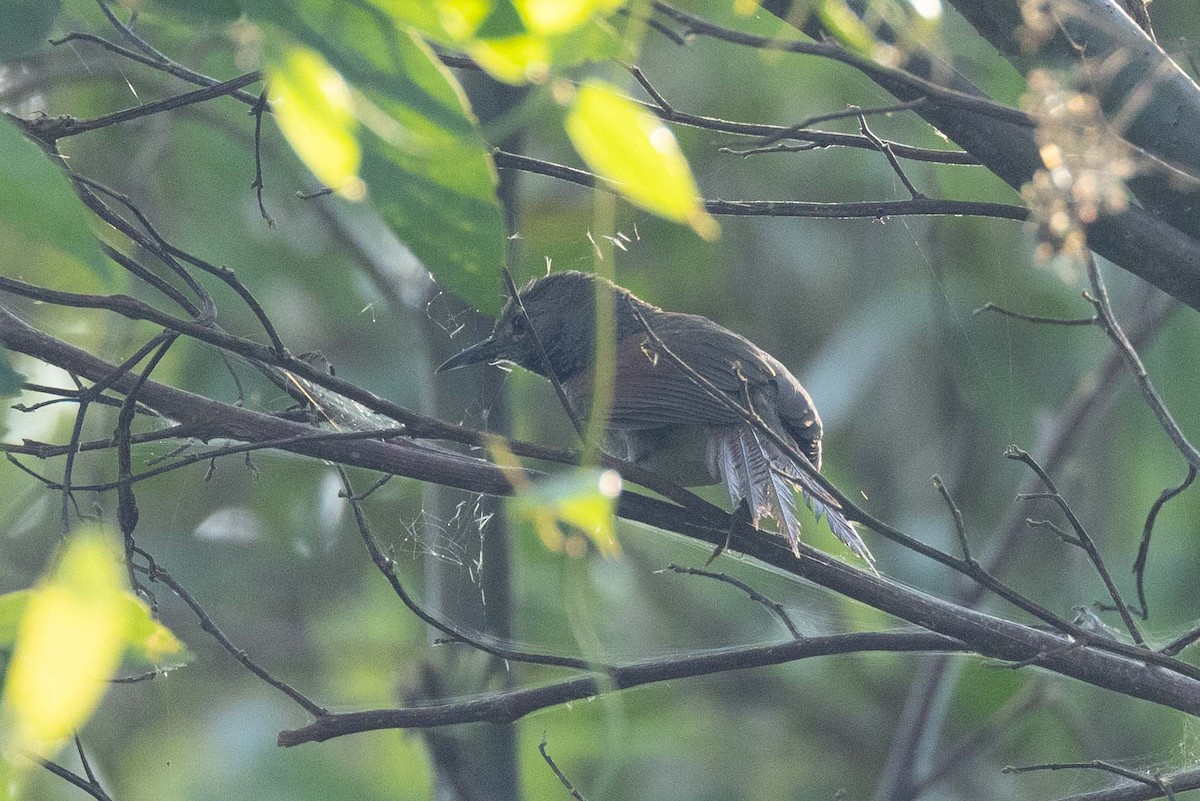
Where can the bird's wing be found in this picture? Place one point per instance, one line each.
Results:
(667, 395)
(656, 391)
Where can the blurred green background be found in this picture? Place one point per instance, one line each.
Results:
(875, 317)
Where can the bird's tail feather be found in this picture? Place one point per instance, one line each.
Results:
(757, 470)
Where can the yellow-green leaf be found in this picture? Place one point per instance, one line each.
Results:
(632, 149)
(68, 645)
(583, 498)
(314, 109)
(149, 640)
(515, 59)
(846, 26)
(559, 16)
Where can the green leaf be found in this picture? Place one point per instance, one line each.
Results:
(25, 25)
(68, 644)
(66, 638)
(594, 41)
(315, 111)
(584, 498)
(846, 26)
(632, 149)
(424, 162)
(559, 16)
(148, 640)
(40, 215)
(515, 59)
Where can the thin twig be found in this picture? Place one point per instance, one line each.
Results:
(1084, 539)
(1139, 564)
(665, 111)
(1157, 782)
(482, 643)
(1053, 528)
(155, 573)
(257, 185)
(165, 65)
(934, 92)
(561, 776)
(853, 111)
(51, 129)
(956, 514)
(90, 787)
(879, 210)
(511, 705)
(771, 605)
(1108, 322)
(1034, 318)
(886, 150)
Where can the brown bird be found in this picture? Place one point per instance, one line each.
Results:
(661, 417)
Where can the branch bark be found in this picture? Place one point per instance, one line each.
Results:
(985, 634)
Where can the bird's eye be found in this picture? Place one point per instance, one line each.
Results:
(520, 325)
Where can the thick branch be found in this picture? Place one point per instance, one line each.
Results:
(1137, 240)
(991, 636)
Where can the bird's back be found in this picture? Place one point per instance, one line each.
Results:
(656, 391)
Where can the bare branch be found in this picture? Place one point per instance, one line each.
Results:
(506, 707)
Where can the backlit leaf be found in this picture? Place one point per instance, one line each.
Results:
(68, 644)
(424, 162)
(584, 499)
(631, 148)
(314, 108)
(558, 16)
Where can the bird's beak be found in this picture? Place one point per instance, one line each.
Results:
(487, 350)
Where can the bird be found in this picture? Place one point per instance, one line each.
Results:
(691, 400)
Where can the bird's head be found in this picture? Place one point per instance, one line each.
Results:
(559, 312)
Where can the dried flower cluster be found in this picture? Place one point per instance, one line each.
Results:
(1085, 165)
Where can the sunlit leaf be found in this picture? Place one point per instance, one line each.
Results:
(146, 639)
(846, 26)
(584, 499)
(149, 640)
(68, 644)
(39, 209)
(515, 59)
(632, 148)
(314, 108)
(424, 161)
(459, 18)
(558, 16)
